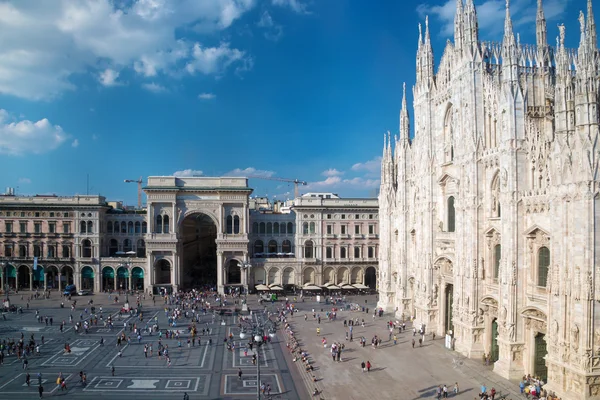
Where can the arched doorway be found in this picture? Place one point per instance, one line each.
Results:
(38, 277)
(122, 278)
(87, 278)
(11, 275)
(108, 278)
(52, 277)
(66, 276)
(355, 276)
(137, 278)
(260, 276)
(199, 255)
(494, 347)
(274, 276)
(328, 276)
(234, 273)
(448, 300)
(162, 272)
(540, 351)
(23, 276)
(308, 276)
(343, 276)
(288, 280)
(371, 278)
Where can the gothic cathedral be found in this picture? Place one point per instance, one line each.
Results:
(490, 215)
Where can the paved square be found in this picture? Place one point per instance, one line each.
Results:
(247, 385)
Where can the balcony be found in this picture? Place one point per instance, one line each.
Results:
(373, 236)
(24, 235)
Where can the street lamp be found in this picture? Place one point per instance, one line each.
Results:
(256, 331)
(126, 266)
(245, 266)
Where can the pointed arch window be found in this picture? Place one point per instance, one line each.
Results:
(451, 215)
(262, 228)
(543, 266)
(123, 227)
(138, 227)
(37, 250)
(305, 228)
(290, 228)
(282, 227)
(130, 227)
(144, 227)
(276, 228)
(269, 228)
(312, 227)
(90, 227)
(66, 251)
(82, 227)
(497, 259)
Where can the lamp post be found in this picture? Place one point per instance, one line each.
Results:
(126, 266)
(256, 331)
(246, 267)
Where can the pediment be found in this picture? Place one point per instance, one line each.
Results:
(534, 229)
(446, 178)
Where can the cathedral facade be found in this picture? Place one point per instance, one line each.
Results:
(490, 214)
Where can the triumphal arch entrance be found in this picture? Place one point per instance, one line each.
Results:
(198, 233)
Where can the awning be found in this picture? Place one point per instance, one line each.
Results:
(349, 287)
(122, 273)
(87, 272)
(332, 287)
(360, 286)
(261, 287)
(311, 287)
(108, 273)
(275, 288)
(137, 273)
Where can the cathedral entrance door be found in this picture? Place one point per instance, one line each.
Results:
(449, 299)
(199, 255)
(539, 363)
(494, 348)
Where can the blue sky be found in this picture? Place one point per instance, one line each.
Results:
(279, 88)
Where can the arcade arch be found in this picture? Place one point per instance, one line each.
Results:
(162, 272)
(199, 252)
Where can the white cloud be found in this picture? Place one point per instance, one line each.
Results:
(75, 143)
(251, 172)
(45, 43)
(336, 182)
(109, 77)
(213, 60)
(187, 173)
(371, 167)
(489, 12)
(24, 181)
(154, 87)
(95, 137)
(25, 136)
(206, 96)
(296, 5)
(332, 172)
(273, 31)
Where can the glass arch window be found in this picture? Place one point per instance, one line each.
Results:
(286, 246)
(272, 246)
(229, 224)
(543, 266)
(236, 224)
(497, 258)
(309, 249)
(451, 215)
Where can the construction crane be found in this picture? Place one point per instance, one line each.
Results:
(139, 182)
(296, 182)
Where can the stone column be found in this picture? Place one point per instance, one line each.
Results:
(129, 279)
(45, 281)
(220, 275)
(60, 282)
(175, 275)
(31, 279)
(115, 282)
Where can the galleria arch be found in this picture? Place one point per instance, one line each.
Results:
(199, 225)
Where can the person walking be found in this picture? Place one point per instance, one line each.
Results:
(456, 388)
(413, 343)
(28, 379)
(363, 366)
(240, 374)
(41, 391)
(368, 366)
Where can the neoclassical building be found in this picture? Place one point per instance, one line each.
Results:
(194, 231)
(490, 215)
